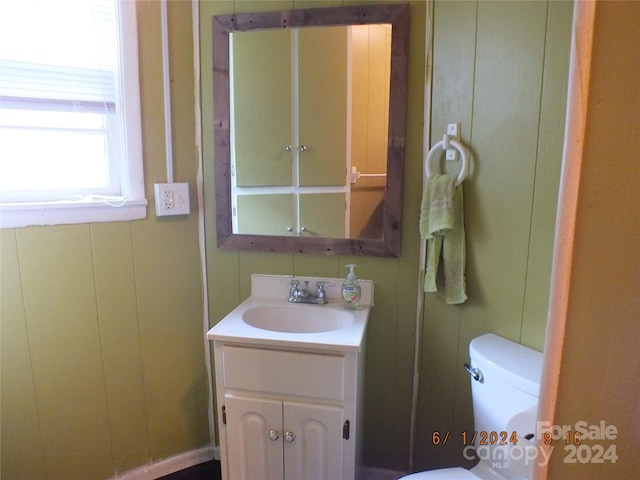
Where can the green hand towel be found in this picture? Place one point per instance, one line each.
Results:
(445, 241)
(454, 257)
(437, 212)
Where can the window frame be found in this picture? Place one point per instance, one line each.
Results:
(133, 204)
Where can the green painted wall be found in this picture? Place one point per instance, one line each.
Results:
(499, 68)
(102, 357)
(391, 330)
(102, 347)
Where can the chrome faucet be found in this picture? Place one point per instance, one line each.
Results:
(303, 295)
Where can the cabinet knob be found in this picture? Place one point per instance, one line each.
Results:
(289, 437)
(303, 148)
(287, 148)
(304, 229)
(273, 435)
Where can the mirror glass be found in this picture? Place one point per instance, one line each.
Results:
(309, 130)
(309, 110)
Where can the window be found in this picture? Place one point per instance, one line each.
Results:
(70, 131)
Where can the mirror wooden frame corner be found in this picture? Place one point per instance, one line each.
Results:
(395, 14)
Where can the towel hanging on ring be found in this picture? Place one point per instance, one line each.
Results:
(442, 225)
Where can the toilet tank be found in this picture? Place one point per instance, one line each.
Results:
(510, 382)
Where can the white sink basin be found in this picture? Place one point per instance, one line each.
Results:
(297, 318)
(266, 318)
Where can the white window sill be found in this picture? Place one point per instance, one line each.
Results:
(14, 215)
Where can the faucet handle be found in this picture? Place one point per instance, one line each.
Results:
(321, 295)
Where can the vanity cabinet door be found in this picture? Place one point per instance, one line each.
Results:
(275, 439)
(254, 438)
(314, 450)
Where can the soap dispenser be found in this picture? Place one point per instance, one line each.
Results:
(351, 290)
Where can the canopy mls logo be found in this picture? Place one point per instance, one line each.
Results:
(581, 442)
(504, 456)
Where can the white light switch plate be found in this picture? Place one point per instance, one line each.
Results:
(172, 199)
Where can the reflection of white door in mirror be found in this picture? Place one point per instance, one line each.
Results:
(306, 105)
(370, 47)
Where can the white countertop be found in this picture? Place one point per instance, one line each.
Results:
(233, 329)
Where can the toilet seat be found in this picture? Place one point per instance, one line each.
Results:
(456, 473)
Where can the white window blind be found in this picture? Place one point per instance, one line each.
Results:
(69, 112)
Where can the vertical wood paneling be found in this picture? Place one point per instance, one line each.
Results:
(71, 388)
(120, 342)
(258, 5)
(405, 271)
(223, 275)
(64, 337)
(22, 447)
(169, 308)
(507, 97)
(320, 266)
(547, 176)
(166, 259)
(102, 341)
(494, 87)
(506, 103)
(452, 101)
(390, 333)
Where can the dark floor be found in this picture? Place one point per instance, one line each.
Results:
(204, 471)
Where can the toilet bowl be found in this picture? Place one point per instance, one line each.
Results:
(443, 474)
(455, 473)
(505, 383)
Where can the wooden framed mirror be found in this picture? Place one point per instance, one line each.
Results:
(229, 34)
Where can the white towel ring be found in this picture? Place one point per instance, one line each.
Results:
(444, 144)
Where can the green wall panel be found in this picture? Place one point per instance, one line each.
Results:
(64, 341)
(547, 174)
(120, 343)
(172, 345)
(390, 334)
(102, 324)
(23, 454)
(509, 95)
(102, 338)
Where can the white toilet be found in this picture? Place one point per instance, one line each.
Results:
(505, 381)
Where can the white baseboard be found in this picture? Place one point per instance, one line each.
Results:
(170, 465)
(372, 473)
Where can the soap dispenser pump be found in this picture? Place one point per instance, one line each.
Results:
(351, 290)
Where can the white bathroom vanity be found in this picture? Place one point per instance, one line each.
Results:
(289, 382)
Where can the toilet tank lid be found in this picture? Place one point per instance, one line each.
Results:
(516, 364)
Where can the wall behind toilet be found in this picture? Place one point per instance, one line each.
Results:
(500, 68)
